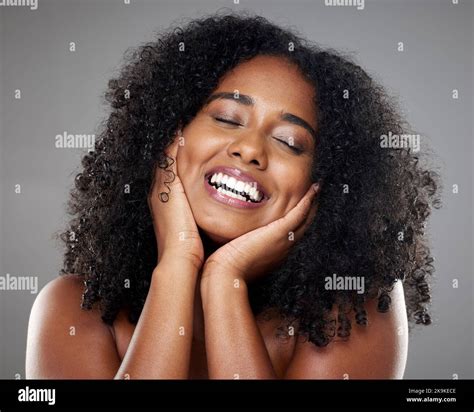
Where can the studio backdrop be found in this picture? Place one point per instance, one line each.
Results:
(56, 58)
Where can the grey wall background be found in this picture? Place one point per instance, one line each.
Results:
(61, 91)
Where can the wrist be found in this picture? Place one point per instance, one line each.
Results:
(221, 280)
(213, 268)
(173, 264)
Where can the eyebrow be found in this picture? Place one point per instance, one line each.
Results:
(249, 101)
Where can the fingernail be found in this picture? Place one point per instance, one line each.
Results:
(315, 186)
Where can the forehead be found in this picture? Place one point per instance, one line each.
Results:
(275, 84)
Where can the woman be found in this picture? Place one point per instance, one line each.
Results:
(240, 171)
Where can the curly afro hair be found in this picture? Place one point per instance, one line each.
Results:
(373, 204)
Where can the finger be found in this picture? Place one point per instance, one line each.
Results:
(163, 178)
(299, 232)
(296, 216)
(172, 149)
(310, 212)
(172, 152)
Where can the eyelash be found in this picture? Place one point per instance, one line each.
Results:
(293, 148)
(220, 119)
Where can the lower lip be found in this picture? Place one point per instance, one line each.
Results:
(222, 198)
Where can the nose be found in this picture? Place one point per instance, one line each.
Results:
(250, 149)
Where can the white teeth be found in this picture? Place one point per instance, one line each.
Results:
(239, 186)
(233, 184)
(231, 194)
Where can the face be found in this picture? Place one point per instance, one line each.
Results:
(246, 157)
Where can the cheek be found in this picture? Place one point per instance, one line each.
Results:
(185, 171)
(193, 146)
(190, 153)
(191, 163)
(293, 184)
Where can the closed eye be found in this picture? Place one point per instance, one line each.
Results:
(227, 121)
(295, 149)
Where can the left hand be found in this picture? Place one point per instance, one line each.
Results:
(256, 252)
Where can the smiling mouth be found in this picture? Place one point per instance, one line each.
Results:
(234, 188)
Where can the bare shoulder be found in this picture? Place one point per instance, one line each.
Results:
(61, 298)
(64, 287)
(65, 341)
(376, 351)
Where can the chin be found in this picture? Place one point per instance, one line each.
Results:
(216, 239)
(219, 235)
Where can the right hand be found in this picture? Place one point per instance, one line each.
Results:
(176, 231)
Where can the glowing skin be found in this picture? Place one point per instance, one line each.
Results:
(222, 337)
(276, 87)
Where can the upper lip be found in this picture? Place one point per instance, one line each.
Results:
(240, 175)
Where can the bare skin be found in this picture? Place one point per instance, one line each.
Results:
(197, 321)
